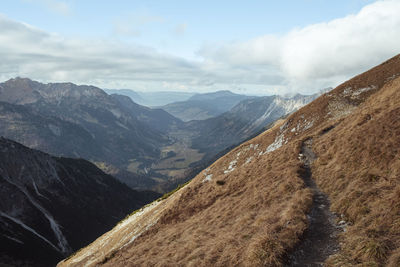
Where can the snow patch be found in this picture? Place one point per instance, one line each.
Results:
(248, 160)
(354, 94)
(308, 124)
(231, 167)
(362, 90)
(394, 76)
(279, 140)
(207, 178)
(347, 91)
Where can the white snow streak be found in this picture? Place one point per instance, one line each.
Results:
(231, 167)
(279, 140)
(15, 220)
(62, 241)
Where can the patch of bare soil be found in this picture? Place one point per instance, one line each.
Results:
(319, 240)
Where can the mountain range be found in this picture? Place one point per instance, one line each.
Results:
(146, 148)
(78, 121)
(319, 187)
(204, 106)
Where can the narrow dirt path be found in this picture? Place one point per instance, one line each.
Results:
(319, 241)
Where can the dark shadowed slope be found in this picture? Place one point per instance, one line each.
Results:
(52, 206)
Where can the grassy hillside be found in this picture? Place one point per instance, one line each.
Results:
(253, 206)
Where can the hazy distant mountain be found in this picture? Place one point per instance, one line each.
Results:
(52, 206)
(204, 106)
(152, 99)
(158, 119)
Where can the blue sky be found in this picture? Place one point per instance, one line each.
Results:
(178, 27)
(245, 46)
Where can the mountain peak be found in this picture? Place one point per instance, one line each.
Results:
(24, 91)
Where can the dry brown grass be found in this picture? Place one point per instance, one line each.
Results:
(250, 218)
(256, 213)
(359, 167)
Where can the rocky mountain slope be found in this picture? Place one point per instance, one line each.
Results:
(204, 106)
(244, 120)
(52, 206)
(79, 121)
(332, 167)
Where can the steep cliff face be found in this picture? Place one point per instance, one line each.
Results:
(51, 206)
(335, 160)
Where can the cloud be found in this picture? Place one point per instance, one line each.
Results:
(303, 60)
(31, 52)
(322, 54)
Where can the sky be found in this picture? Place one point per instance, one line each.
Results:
(253, 47)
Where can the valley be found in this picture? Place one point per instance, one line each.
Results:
(199, 133)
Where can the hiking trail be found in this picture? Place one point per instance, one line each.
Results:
(319, 240)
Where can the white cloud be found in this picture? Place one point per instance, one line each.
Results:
(322, 54)
(30, 52)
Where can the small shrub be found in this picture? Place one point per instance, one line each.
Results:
(220, 182)
(375, 250)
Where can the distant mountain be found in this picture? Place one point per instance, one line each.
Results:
(204, 106)
(321, 187)
(52, 206)
(244, 120)
(156, 118)
(152, 99)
